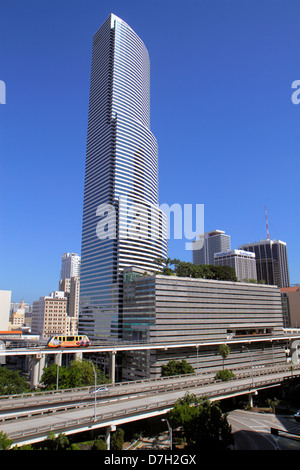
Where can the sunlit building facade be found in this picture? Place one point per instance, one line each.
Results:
(122, 223)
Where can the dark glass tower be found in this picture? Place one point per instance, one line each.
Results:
(271, 261)
(122, 223)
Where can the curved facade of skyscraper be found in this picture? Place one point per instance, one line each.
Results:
(122, 223)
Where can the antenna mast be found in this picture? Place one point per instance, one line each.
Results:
(268, 236)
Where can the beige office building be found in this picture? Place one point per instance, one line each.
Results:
(49, 316)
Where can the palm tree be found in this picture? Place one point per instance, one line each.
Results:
(224, 351)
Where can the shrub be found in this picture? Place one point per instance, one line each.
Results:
(117, 440)
(224, 375)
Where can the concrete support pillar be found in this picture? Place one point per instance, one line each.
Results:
(42, 362)
(112, 366)
(107, 438)
(250, 398)
(37, 366)
(107, 435)
(294, 352)
(57, 359)
(34, 372)
(78, 356)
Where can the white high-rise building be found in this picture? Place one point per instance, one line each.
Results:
(70, 265)
(122, 222)
(5, 299)
(242, 261)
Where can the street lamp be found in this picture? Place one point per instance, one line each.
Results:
(95, 408)
(170, 431)
(245, 347)
(57, 370)
(57, 376)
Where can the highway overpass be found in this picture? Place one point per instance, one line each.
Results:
(40, 352)
(30, 418)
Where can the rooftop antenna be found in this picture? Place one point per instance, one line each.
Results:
(268, 236)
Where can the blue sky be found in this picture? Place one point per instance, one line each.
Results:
(221, 111)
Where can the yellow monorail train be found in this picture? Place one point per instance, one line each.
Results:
(75, 341)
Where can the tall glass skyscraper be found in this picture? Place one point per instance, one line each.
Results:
(271, 261)
(122, 223)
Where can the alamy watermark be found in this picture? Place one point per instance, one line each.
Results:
(2, 92)
(131, 220)
(296, 94)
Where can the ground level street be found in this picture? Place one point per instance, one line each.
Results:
(252, 430)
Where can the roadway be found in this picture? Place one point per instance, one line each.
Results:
(252, 431)
(30, 418)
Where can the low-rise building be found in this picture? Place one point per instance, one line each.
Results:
(170, 309)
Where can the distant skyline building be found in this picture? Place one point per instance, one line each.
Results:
(290, 297)
(208, 244)
(243, 262)
(5, 301)
(49, 316)
(271, 261)
(122, 223)
(70, 265)
(71, 289)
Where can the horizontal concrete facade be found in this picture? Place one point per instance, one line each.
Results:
(169, 309)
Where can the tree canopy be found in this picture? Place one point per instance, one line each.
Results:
(204, 424)
(187, 269)
(12, 383)
(176, 368)
(5, 442)
(77, 374)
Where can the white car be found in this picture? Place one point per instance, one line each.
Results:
(297, 415)
(100, 389)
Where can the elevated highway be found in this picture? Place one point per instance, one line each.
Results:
(30, 418)
(40, 351)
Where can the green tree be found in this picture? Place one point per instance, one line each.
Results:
(176, 368)
(224, 375)
(117, 440)
(24, 447)
(49, 377)
(59, 442)
(12, 383)
(164, 265)
(204, 424)
(77, 374)
(205, 271)
(272, 403)
(99, 444)
(187, 269)
(5, 442)
(224, 351)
